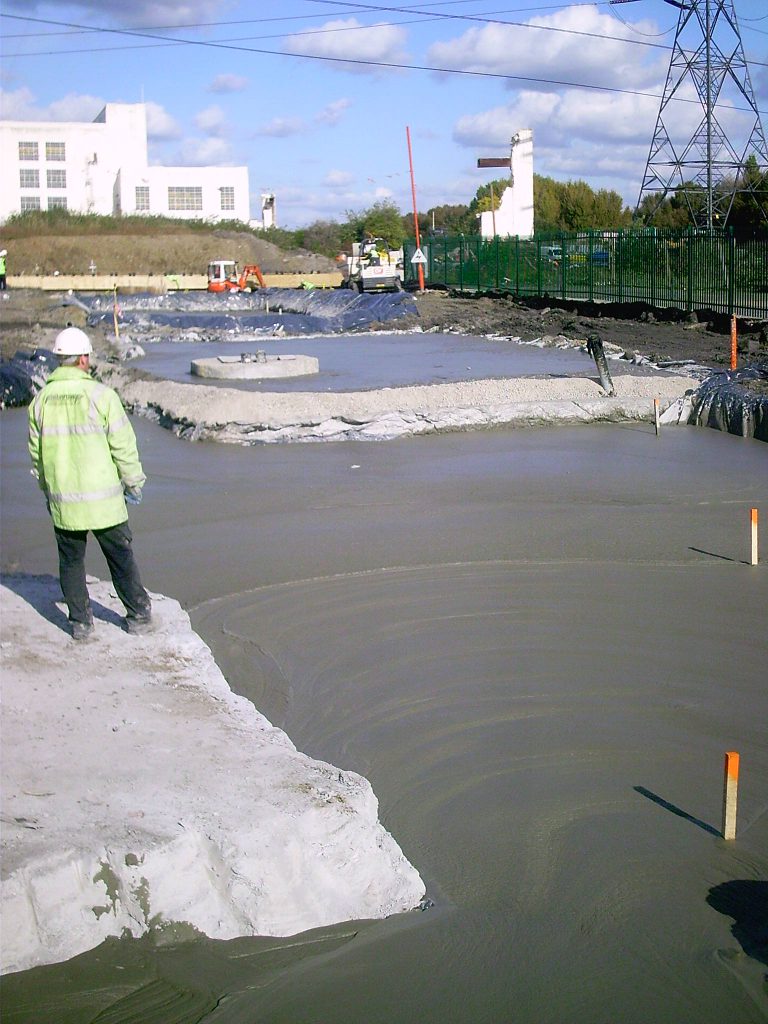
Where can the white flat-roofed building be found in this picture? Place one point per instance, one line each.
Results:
(102, 167)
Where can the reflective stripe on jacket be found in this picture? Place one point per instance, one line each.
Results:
(83, 451)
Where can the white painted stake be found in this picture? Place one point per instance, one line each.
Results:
(656, 415)
(753, 522)
(730, 794)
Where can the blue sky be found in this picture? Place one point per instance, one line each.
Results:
(314, 96)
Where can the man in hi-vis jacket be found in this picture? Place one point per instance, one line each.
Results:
(85, 458)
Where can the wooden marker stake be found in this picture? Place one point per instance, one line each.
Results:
(730, 794)
(753, 522)
(114, 312)
(656, 415)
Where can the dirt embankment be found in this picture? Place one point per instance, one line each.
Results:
(647, 335)
(187, 252)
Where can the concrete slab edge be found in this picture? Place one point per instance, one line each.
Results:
(150, 798)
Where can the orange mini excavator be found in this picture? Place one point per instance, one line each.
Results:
(223, 276)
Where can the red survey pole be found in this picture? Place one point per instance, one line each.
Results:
(415, 213)
(734, 344)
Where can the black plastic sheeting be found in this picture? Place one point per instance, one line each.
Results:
(22, 376)
(735, 401)
(299, 311)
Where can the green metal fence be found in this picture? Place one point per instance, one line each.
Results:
(689, 270)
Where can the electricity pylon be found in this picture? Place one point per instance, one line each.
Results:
(700, 149)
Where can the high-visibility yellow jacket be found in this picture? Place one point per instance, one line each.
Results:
(83, 451)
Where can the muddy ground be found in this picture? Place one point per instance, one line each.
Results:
(30, 318)
(702, 340)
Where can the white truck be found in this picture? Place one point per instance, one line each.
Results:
(373, 267)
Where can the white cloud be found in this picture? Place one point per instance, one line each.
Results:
(334, 112)
(228, 83)
(346, 39)
(20, 105)
(338, 179)
(561, 121)
(282, 127)
(160, 125)
(602, 138)
(204, 152)
(556, 56)
(212, 121)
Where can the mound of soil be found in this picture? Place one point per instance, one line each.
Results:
(671, 340)
(187, 252)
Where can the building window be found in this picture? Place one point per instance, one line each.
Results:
(27, 151)
(142, 197)
(30, 203)
(55, 151)
(227, 197)
(57, 202)
(185, 198)
(56, 179)
(29, 178)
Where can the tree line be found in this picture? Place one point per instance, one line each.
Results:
(569, 206)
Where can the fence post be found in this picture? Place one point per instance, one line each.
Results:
(498, 272)
(689, 253)
(517, 264)
(461, 264)
(538, 267)
(731, 273)
(590, 271)
(654, 257)
(620, 265)
(563, 268)
(477, 260)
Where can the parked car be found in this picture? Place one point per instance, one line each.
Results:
(552, 253)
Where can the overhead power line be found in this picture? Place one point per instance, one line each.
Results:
(235, 47)
(76, 29)
(307, 17)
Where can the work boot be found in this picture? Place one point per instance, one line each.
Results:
(139, 626)
(82, 631)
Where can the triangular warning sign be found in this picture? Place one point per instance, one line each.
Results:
(418, 257)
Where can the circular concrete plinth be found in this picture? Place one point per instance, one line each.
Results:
(237, 368)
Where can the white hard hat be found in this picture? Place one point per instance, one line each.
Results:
(72, 342)
(3, 252)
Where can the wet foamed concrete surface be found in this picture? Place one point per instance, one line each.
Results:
(537, 646)
(362, 362)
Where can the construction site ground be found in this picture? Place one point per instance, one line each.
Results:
(30, 318)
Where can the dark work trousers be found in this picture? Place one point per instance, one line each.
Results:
(115, 542)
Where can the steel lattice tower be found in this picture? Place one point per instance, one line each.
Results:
(708, 151)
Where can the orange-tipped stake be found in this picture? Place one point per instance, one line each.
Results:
(730, 794)
(734, 345)
(656, 415)
(753, 521)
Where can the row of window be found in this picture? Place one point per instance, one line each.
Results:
(29, 178)
(185, 198)
(33, 203)
(53, 151)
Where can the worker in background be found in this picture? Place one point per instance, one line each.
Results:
(3, 265)
(85, 458)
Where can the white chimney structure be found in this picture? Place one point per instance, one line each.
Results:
(515, 213)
